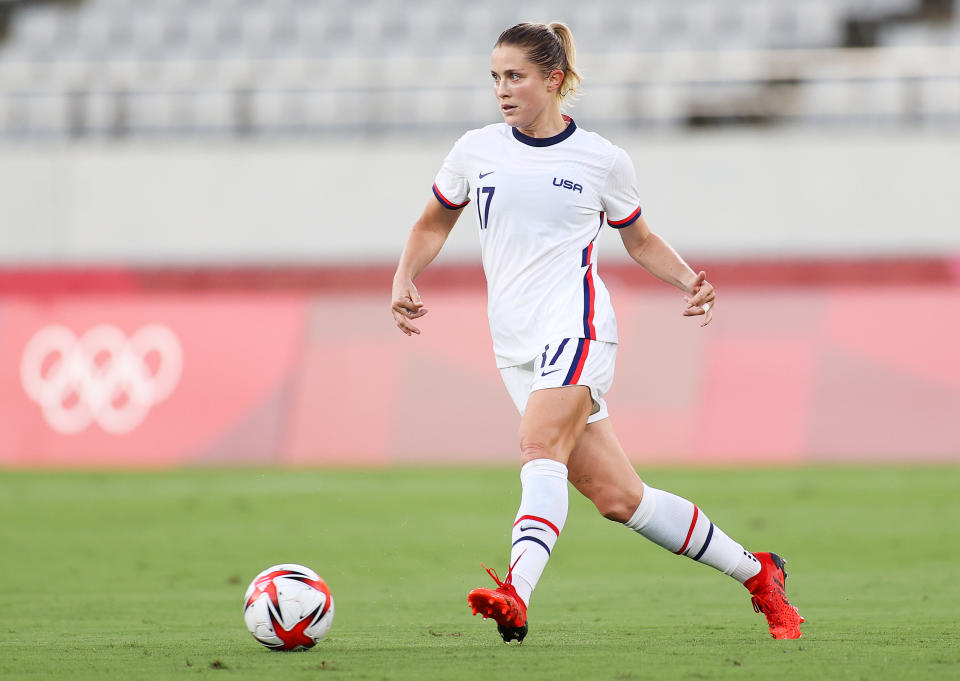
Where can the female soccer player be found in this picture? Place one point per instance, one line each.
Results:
(542, 189)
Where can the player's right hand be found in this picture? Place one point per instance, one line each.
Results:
(702, 301)
(406, 305)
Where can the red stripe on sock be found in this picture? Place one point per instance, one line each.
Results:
(693, 524)
(539, 520)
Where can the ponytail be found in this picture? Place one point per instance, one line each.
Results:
(571, 77)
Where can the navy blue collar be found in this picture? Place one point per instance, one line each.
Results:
(546, 141)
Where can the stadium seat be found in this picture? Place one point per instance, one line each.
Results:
(199, 49)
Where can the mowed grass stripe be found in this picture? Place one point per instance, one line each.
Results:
(141, 576)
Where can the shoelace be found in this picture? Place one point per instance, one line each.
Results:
(509, 580)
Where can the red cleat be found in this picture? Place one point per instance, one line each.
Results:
(769, 597)
(503, 605)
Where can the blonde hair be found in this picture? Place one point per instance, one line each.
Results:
(550, 47)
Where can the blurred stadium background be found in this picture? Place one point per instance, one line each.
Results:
(203, 201)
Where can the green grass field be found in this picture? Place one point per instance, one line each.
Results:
(141, 576)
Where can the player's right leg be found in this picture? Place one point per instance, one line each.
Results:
(552, 423)
(600, 470)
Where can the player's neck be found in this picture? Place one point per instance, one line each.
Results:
(548, 124)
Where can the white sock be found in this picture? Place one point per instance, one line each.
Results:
(542, 513)
(679, 526)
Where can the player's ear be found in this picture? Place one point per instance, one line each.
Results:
(555, 80)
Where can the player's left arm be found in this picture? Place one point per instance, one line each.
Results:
(658, 258)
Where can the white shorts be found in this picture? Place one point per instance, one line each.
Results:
(568, 361)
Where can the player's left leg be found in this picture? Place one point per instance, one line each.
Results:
(600, 470)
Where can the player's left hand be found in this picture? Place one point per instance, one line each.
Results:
(702, 300)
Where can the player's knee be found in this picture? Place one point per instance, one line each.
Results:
(617, 505)
(614, 511)
(531, 448)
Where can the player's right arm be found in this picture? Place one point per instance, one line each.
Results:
(424, 243)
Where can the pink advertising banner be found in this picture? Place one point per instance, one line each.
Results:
(145, 379)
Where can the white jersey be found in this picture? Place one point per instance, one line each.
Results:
(540, 204)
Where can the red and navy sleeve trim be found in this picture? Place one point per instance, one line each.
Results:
(626, 222)
(447, 203)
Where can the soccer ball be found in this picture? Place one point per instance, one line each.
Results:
(288, 607)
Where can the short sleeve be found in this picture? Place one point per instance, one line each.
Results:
(620, 197)
(451, 187)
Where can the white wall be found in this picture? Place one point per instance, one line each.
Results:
(711, 194)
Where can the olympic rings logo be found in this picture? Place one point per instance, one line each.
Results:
(103, 377)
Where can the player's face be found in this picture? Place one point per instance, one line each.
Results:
(524, 94)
